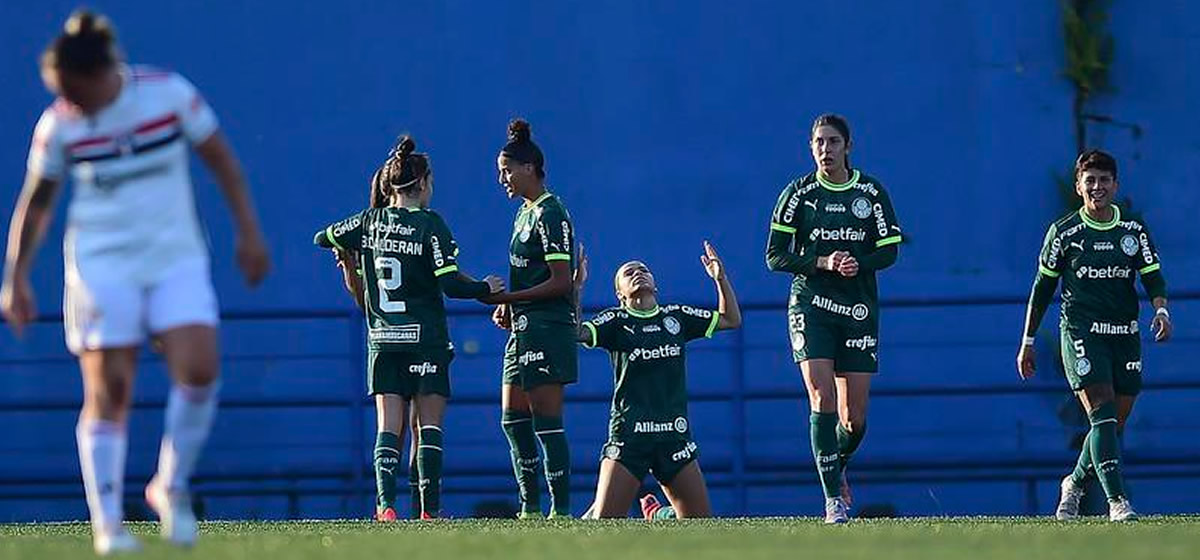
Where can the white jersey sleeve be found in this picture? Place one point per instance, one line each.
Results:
(47, 159)
(195, 115)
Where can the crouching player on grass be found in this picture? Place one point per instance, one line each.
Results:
(649, 432)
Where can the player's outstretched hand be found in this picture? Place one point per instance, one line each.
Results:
(1026, 361)
(1162, 327)
(848, 267)
(252, 258)
(581, 271)
(502, 317)
(495, 284)
(712, 263)
(17, 303)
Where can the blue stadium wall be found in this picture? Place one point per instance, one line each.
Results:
(664, 124)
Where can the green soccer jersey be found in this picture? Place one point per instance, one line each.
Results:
(542, 233)
(403, 251)
(823, 217)
(1098, 263)
(649, 368)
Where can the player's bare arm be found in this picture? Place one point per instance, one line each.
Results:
(250, 248)
(31, 217)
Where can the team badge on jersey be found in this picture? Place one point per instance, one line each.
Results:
(861, 207)
(1083, 367)
(1129, 245)
(524, 235)
(672, 325)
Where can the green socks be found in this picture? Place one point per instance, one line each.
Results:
(823, 432)
(414, 487)
(550, 431)
(429, 464)
(518, 428)
(1105, 449)
(387, 458)
(1083, 467)
(848, 442)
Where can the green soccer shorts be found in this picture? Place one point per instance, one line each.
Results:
(409, 374)
(664, 459)
(852, 343)
(1090, 359)
(541, 356)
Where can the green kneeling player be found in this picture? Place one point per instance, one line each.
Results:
(1098, 253)
(649, 431)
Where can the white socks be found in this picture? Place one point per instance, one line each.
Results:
(189, 418)
(102, 447)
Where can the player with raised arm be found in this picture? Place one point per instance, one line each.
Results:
(1098, 253)
(833, 230)
(649, 431)
(541, 358)
(136, 260)
(409, 260)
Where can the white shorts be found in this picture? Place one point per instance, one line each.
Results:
(102, 311)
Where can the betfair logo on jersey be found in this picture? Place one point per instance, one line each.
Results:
(1134, 366)
(1104, 272)
(1109, 328)
(664, 351)
(835, 208)
(395, 229)
(685, 453)
(346, 225)
(518, 261)
(865, 343)
(423, 369)
(531, 356)
(679, 425)
(840, 234)
(858, 311)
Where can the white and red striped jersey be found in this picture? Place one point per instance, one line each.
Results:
(132, 205)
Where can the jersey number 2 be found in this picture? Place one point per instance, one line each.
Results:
(392, 282)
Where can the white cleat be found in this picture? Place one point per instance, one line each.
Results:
(836, 511)
(175, 516)
(115, 542)
(1120, 510)
(1068, 500)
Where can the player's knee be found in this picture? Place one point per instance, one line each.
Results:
(822, 400)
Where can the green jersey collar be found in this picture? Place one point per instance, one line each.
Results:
(836, 187)
(539, 200)
(643, 314)
(1101, 226)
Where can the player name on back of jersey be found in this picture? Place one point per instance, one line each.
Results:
(388, 245)
(400, 334)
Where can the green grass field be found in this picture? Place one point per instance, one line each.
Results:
(1160, 538)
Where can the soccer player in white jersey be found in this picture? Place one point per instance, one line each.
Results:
(136, 260)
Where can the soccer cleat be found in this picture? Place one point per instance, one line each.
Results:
(529, 515)
(650, 506)
(177, 522)
(426, 516)
(1120, 510)
(835, 511)
(1068, 500)
(115, 542)
(385, 515)
(555, 516)
(844, 488)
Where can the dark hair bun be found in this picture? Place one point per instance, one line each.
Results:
(405, 146)
(84, 23)
(519, 131)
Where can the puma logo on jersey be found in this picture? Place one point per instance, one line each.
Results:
(1077, 245)
(811, 204)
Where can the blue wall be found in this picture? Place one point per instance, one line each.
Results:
(664, 124)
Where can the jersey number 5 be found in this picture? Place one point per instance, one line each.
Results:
(392, 281)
